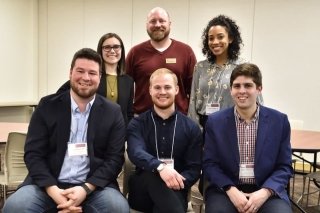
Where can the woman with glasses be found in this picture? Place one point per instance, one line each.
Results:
(115, 84)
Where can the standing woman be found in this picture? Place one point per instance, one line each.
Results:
(115, 84)
(210, 90)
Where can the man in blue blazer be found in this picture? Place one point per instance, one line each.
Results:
(247, 152)
(74, 148)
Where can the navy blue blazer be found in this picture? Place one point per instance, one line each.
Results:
(49, 132)
(272, 163)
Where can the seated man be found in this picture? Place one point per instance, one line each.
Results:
(74, 148)
(166, 147)
(247, 153)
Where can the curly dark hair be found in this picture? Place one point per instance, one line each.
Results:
(233, 32)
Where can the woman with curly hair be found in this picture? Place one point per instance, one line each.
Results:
(210, 90)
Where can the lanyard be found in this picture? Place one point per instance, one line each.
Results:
(155, 135)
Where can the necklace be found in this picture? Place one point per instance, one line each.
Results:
(114, 79)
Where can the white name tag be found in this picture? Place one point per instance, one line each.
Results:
(171, 60)
(211, 108)
(169, 162)
(77, 149)
(246, 171)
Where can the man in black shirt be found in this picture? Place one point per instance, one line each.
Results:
(165, 146)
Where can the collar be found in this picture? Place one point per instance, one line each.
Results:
(75, 107)
(157, 117)
(255, 117)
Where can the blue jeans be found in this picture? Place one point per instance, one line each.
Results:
(218, 201)
(32, 199)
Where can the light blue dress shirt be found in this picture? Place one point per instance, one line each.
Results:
(76, 168)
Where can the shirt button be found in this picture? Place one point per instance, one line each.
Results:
(164, 124)
(163, 138)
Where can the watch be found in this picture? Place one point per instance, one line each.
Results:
(160, 167)
(86, 188)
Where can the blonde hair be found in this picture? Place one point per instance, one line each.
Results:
(163, 71)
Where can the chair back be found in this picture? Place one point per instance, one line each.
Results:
(128, 170)
(15, 168)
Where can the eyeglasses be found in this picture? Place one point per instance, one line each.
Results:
(107, 48)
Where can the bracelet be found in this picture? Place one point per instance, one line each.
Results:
(270, 191)
(86, 188)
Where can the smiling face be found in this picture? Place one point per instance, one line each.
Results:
(218, 41)
(111, 51)
(163, 90)
(245, 93)
(84, 78)
(158, 24)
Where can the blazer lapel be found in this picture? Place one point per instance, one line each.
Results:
(263, 126)
(121, 84)
(94, 118)
(63, 125)
(232, 135)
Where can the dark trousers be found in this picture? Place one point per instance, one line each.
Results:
(148, 193)
(202, 120)
(217, 201)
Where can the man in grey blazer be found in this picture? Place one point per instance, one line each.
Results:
(74, 148)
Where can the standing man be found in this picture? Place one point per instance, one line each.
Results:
(160, 52)
(247, 152)
(74, 148)
(166, 147)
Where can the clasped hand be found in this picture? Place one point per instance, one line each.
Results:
(248, 202)
(68, 200)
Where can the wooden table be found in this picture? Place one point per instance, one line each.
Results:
(306, 142)
(6, 127)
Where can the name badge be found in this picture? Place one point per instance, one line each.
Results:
(77, 149)
(211, 108)
(246, 171)
(171, 60)
(169, 162)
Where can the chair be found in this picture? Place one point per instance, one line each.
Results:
(305, 167)
(300, 165)
(128, 169)
(15, 169)
(309, 178)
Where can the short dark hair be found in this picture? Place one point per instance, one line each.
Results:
(248, 70)
(121, 64)
(233, 33)
(89, 54)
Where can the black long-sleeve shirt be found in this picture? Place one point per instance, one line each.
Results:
(187, 148)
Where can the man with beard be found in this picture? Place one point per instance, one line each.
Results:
(158, 52)
(74, 148)
(165, 145)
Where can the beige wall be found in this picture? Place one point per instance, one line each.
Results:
(19, 49)
(280, 36)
